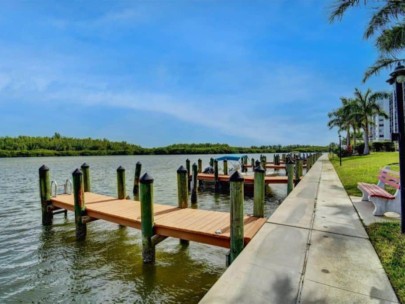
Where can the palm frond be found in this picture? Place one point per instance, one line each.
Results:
(381, 63)
(340, 7)
(392, 40)
(391, 10)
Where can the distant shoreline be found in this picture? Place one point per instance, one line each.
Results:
(27, 146)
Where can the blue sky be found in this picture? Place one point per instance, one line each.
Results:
(155, 73)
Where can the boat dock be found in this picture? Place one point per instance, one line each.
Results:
(249, 179)
(203, 226)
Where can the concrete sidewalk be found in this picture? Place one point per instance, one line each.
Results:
(313, 249)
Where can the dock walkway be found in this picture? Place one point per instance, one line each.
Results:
(204, 226)
(313, 249)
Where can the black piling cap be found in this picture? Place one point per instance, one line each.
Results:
(120, 168)
(138, 163)
(259, 169)
(77, 172)
(194, 165)
(146, 179)
(44, 168)
(181, 169)
(85, 166)
(257, 163)
(236, 177)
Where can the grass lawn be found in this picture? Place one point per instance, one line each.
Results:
(385, 237)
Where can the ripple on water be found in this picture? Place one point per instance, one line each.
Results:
(46, 264)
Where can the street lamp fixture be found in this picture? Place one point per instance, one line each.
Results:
(398, 77)
(340, 149)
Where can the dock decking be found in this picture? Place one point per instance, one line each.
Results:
(249, 179)
(203, 226)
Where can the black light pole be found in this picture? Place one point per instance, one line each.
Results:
(340, 149)
(398, 77)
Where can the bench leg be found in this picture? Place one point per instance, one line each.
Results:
(380, 205)
(365, 194)
(395, 204)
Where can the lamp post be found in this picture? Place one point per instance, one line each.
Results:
(340, 149)
(398, 77)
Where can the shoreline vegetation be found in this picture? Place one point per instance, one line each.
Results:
(57, 145)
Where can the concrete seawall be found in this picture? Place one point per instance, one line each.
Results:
(313, 249)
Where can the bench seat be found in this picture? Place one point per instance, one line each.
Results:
(375, 191)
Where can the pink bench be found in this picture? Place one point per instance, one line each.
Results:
(382, 200)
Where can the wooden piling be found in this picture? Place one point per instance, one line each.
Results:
(182, 192)
(79, 203)
(86, 177)
(225, 167)
(45, 195)
(212, 162)
(199, 165)
(147, 220)
(259, 192)
(121, 183)
(216, 175)
(290, 174)
(252, 162)
(135, 190)
(298, 170)
(194, 184)
(283, 157)
(188, 173)
(237, 232)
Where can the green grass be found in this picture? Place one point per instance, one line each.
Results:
(390, 246)
(356, 169)
(385, 237)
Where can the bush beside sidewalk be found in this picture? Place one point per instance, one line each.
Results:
(385, 237)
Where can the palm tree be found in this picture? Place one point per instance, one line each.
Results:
(365, 108)
(387, 24)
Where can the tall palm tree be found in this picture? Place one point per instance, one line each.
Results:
(365, 108)
(386, 24)
(349, 108)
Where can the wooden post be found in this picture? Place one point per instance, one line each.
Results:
(283, 157)
(237, 232)
(45, 195)
(290, 173)
(122, 192)
(86, 177)
(188, 173)
(211, 162)
(147, 221)
(138, 168)
(252, 162)
(216, 175)
(79, 204)
(182, 192)
(194, 185)
(199, 165)
(298, 170)
(259, 192)
(225, 167)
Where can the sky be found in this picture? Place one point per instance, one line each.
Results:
(155, 73)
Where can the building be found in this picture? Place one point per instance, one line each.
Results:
(380, 128)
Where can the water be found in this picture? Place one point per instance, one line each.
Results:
(45, 264)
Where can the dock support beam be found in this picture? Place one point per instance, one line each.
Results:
(225, 167)
(45, 195)
(79, 204)
(237, 232)
(147, 221)
(199, 165)
(122, 192)
(289, 167)
(259, 192)
(86, 177)
(182, 192)
(135, 190)
(188, 173)
(194, 184)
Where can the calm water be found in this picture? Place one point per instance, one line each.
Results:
(46, 264)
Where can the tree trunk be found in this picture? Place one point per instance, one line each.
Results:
(348, 138)
(366, 146)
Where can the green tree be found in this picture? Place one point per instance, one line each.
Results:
(365, 108)
(386, 25)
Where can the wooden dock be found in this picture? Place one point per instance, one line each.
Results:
(249, 179)
(203, 226)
